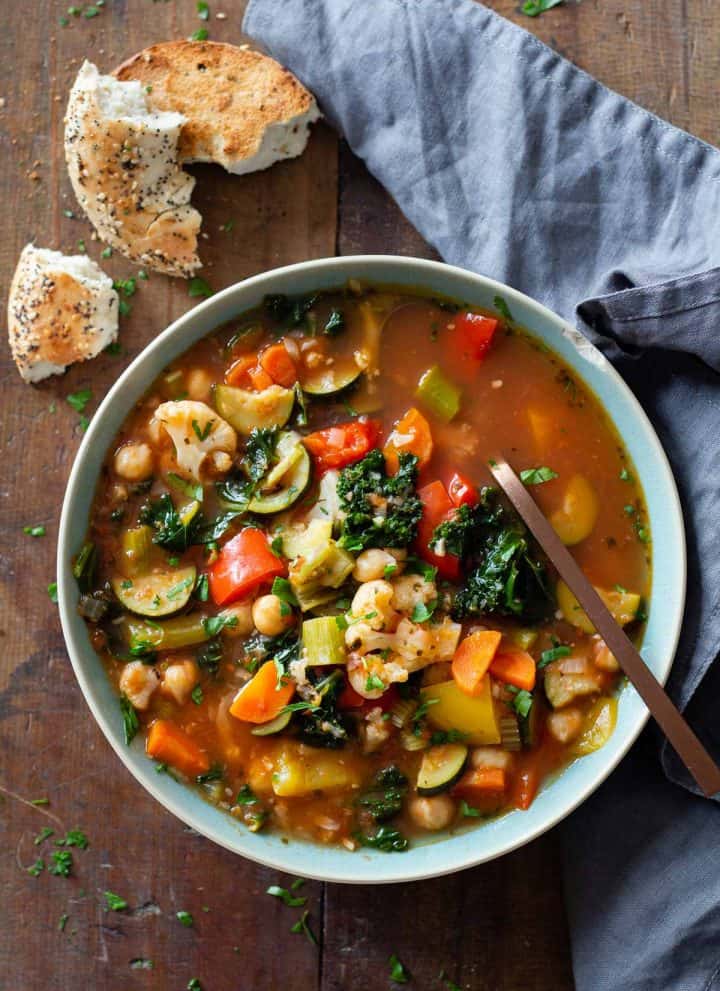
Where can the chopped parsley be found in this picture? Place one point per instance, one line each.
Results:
(37, 868)
(302, 926)
(74, 837)
(34, 531)
(422, 612)
(198, 287)
(197, 695)
(468, 811)
(185, 919)
(522, 701)
(106, 252)
(79, 400)
(62, 922)
(131, 723)
(536, 476)
(335, 323)
(503, 309)
(292, 901)
(202, 433)
(553, 654)
(533, 8)
(246, 796)
(43, 835)
(214, 624)
(62, 863)
(374, 684)
(398, 973)
(194, 983)
(625, 476)
(385, 838)
(203, 10)
(115, 903)
(214, 774)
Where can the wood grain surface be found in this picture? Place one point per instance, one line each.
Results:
(500, 927)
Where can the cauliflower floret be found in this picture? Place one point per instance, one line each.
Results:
(375, 731)
(137, 682)
(373, 602)
(197, 433)
(371, 676)
(420, 645)
(362, 638)
(179, 680)
(412, 590)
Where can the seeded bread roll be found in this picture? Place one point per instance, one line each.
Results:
(243, 110)
(122, 157)
(61, 309)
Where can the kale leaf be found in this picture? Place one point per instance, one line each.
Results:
(170, 530)
(322, 725)
(282, 649)
(506, 573)
(290, 311)
(209, 656)
(386, 797)
(260, 452)
(380, 510)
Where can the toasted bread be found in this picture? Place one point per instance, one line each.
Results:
(61, 309)
(244, 110)
(122, 157)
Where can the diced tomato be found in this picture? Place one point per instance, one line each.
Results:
(474, 334)
(461, 490)
(244, 563)
(337, 447)
(437, 507)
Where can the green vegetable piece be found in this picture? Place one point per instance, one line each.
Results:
(115, 903)
(131, 723)
(536, 476)
(323, 642)
(398, 973)
(439, 394)
(292, 901)
(360, 485)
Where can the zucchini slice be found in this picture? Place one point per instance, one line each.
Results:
(287, 480)
(159, 593)
(331, 379)
(246, 411)
(276, 725)
(441, 766)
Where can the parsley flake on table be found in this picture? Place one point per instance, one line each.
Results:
(52, 591)
(62, 863)
(115, 902)
(34, 531)
(198, 287)
(292, 901)
(302, 926)
(185, 919)
(79, 400)
(398, 973)
(43, 835)
(203, 10)
(194, 984)
(74, 837)
(533, 8)
(37, 868)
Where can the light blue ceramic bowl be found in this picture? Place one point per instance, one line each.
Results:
(567, 790)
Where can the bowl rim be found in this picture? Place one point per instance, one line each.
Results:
(289, 858)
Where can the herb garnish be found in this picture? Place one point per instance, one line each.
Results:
(536, 476)
(79, 400)
(503, 309)
(131, 723)
(398, 973)
(302, 926)
(115, 902)
(214, 624)
(34, 531)
(292, 901)
(386, 838)
(62, 863)
(533, 8)
(553, 654)
(197, 286)
(185, 919)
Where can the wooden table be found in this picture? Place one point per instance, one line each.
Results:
(500, 927)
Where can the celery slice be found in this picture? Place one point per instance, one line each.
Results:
(439, 394)
(323, 641)
(136, 545)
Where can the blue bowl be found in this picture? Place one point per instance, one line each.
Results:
(466, 847)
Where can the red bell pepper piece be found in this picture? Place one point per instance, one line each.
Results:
(244, 563)
(474, 334)
(437, 507)
(461, 490)
(337, 447)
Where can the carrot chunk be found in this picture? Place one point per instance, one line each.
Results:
(473, 658)
(262, 698)
(168, 743)
(478, 781)
(410, 435)
(238, 373)
(278, 364)
(515, 667)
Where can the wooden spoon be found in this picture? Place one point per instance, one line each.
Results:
(691, 751)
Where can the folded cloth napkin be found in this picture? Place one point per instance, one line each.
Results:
(514, 163)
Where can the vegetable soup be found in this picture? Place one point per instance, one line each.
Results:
(314, 604)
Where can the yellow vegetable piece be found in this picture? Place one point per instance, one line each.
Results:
(599, 726)
(301, 771)
(473, 715)
(622, 605)
(575, 519)
(543, 430)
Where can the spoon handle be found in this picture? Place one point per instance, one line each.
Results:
(688, 747)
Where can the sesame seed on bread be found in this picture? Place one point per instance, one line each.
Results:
(243, 110)
(61, 309)
(122, 157)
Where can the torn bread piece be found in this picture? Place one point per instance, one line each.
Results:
(61, 309)
(122, 157)
(243, 110)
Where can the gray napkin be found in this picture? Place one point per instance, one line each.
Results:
(514, 163)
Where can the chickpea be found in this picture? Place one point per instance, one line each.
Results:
(371, 564)
(198, 384)
(271, 615)
(432, 813)
(179, 680)
(134, 462)
(243, 613)
(138, 681)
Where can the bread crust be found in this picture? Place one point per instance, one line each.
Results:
(61, 309)
(244, 110)
(122, 158)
